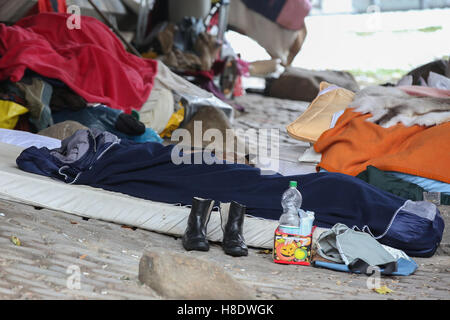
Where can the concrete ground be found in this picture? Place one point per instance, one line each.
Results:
(56, 247)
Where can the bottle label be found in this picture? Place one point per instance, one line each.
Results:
(289, 229)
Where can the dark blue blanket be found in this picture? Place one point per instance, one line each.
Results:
(145, 170)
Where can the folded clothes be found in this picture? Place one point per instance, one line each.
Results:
(44, 44)
(149, 171)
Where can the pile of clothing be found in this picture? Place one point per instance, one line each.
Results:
(393, 140)
(50, 74)
(186, 46)
(190, 50)
(392, 136)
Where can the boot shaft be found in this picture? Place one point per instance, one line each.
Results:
(200, 213)
(235, 219)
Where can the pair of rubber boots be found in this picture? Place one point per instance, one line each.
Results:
(232, 221)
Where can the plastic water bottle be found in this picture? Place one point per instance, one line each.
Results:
(291, 201)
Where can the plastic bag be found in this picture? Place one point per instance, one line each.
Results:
(174, 122)
(9, 114)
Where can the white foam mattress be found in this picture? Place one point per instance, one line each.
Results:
(85, 201)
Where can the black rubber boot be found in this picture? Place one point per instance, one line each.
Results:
(233, 242)
(194, 237)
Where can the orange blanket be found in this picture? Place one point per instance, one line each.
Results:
(354, 143)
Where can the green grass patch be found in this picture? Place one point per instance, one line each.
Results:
(364, 34)
(378, 76)
(381, 73)
(426, 29)
(403, 31)
(430, 29)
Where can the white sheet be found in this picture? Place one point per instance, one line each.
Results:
(27, 139)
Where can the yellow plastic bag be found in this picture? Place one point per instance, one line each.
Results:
(174, 122)
(9, 114)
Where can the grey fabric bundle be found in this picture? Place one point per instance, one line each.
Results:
(357, 250)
